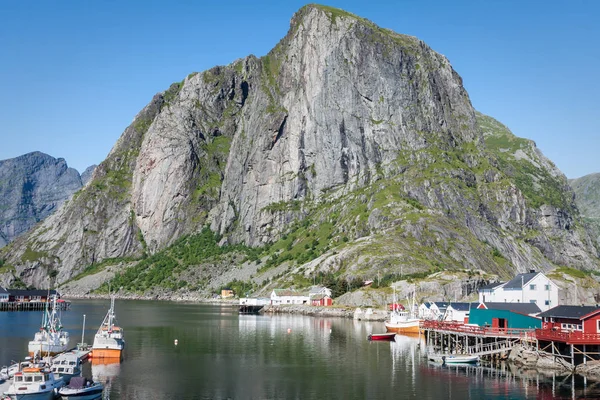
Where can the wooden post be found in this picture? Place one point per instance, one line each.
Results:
(584, 355)
(572, 357)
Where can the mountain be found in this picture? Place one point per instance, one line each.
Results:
(347, 152)
(32, 186)
(87, 174)
(587, 197)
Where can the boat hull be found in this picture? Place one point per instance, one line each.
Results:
(45, 349)
(382, 336)
(32, 396)
(403, 327)
(454, 359)
(88, 394)
(98, 353)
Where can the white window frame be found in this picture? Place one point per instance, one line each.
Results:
(532, 286)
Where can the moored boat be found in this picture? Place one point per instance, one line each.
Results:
(109, 341)
(51, 338)
(34, 383)
(454, 358)
(66, 366)
(382, 336)
(81, 388)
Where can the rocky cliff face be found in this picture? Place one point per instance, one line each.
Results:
(348, 148)
(32, 187)
(587, 197)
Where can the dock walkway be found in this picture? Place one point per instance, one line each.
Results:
(457, 338)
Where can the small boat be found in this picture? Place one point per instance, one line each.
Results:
(454, 358)
(51, 338)
(109, 341)
(66, 366)
(403, 321)
(382, 336)
(81, 388)
(34, 383)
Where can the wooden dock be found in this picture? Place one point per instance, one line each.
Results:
(456, 338)
(32, 305)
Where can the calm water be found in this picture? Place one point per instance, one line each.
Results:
(221, 355)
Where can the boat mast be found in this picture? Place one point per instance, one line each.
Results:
(83, 330)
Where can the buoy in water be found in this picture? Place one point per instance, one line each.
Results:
(176, 341)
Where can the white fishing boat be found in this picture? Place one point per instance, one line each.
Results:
(403, 321)
(51, 339)
(66, 366)
(109, 340)
(34, 383)
(81, 388)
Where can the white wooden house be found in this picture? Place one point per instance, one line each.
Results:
(3, 294)
(287, 296)
(531, 287)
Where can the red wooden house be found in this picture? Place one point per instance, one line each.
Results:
(571, 325)
(321, 300)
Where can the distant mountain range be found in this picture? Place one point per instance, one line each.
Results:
(33, 186)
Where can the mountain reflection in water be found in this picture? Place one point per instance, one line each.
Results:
(223, 355)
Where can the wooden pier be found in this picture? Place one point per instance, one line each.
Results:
(32, 305)
(448, 338)
(571, 347)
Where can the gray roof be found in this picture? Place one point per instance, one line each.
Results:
(35, 292)
(574, 312)
(491, 285)
(462, 306)
(2, 290)
(522, 308)
(518, 281)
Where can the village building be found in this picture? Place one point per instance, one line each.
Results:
(531, 287)
(321, 300)
(287, 296)
(226, 293)
(319, 290)
(571, 333)
(506, 315)
(4, 295)
(23, 295)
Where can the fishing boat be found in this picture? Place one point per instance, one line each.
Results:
(382, 336)
(109, 341)
(403, 321)
(81, 388)
(34, 383)
(51, 338)
(66, 366)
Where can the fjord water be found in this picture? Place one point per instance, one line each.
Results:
(223, 355)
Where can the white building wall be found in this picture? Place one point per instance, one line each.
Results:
(545, 299)
(542, 291)
(455, 315)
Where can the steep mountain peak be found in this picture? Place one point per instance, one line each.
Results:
(348, 148)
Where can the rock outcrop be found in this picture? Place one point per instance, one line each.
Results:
(352, 149)
(32, 186)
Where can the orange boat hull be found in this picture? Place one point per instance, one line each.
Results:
(106, 353)
(408, 329)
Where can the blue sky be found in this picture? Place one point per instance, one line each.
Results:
(73, 74)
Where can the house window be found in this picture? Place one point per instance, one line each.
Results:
(531, 287)
(598, 326)
(546, 302)
(547, 288)
(533, 301)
